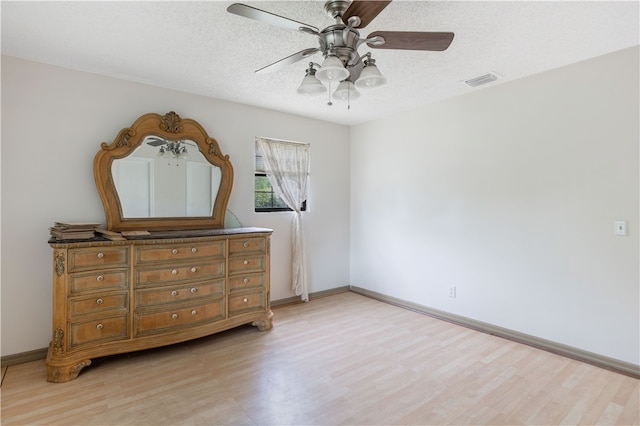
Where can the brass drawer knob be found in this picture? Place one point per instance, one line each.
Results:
(174, 293)
(174, 272)
(246, 280)
(194, 249)
(100, 255)
(99, 302)
(174, 251)
(245, 245)
(245, 300)
(99, 278)
(193, 290)
(99, 326)
(246, 262)
(193, 312)
(174, 316)
(193, 269)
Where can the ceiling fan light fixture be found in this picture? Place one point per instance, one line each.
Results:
(310, 85)
(182, 152)
(332, 69)
(370, 75)
(339, 45)
(171, 149)
(346, 91)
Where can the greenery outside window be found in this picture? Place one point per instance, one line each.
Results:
(266, 200)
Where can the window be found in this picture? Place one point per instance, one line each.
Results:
(266, 199)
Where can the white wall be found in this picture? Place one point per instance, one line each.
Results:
(53, 121)
(510, 193)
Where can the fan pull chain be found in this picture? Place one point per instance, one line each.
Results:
(329, 103)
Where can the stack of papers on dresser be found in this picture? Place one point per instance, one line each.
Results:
(73, 230)
(110, 235)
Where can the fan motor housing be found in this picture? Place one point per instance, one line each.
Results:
(343, 39)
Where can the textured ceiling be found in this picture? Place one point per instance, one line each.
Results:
(198, 47)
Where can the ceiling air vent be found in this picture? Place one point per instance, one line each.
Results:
(483, 79)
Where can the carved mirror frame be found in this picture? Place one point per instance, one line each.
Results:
(170, 127)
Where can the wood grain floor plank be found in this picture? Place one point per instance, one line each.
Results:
(341, 359)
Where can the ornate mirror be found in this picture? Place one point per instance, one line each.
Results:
(163, 173)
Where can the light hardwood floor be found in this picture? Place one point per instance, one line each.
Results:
(342, 359)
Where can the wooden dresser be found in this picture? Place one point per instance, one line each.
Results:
(111, 297)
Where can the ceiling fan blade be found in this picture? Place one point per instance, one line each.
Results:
(408, 40)
(288, 60)
(155, 141)
(270, 18)
(365, 10)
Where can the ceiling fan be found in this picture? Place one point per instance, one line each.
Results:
(176, 149)
(339, 45)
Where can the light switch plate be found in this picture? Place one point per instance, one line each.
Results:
(620, 227)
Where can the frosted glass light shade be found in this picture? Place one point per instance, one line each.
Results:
(311, 86)
(182, 153)
(370, 77)
(346, 91)
(332, 70)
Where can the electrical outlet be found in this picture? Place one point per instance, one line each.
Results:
(452, 291)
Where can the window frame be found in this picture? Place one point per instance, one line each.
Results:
(261, 173)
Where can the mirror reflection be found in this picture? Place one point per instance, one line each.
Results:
(166, 178)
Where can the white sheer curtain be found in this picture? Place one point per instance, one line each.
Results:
(287, 167)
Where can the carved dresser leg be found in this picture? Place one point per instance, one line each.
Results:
(61, 374)
(265, 323)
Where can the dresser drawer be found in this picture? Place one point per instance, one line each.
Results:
(102, 280)
(155, 322)
(244, 281)
(179, 252)
(247, 302)
(246, 264)
(179, 293)
(244, 245)
(178, 273)
(98, 257)
(98, 331)
(99, 303)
